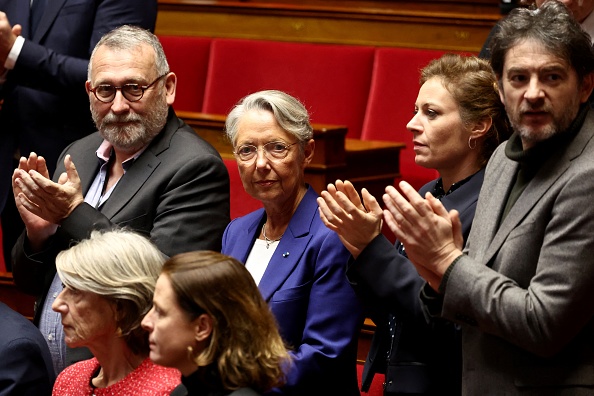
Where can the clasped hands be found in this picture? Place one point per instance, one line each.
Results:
(42, 203)
(431, 235)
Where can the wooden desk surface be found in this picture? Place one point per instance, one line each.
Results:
(437, 24)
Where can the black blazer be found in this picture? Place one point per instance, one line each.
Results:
(427, 357)
(25, 363)
(45, 104)
(176, 192)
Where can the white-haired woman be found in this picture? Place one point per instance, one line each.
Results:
(298, 263)
(109, 280)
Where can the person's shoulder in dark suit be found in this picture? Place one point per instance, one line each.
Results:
(486, 49)
(25, 363)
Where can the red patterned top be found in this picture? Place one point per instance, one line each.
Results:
(148, 379)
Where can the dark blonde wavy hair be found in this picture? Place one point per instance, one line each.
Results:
(245, 344)
(473, 85)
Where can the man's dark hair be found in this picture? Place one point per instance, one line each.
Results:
(551, 25)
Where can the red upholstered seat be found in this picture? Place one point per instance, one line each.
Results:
(188, 59)
(241, 202)
(391, 104)
(376, 388)
(331, 80)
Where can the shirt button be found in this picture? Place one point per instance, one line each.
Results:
(50, 337)
(55, 295)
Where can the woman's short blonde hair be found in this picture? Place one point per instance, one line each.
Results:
(121, 266)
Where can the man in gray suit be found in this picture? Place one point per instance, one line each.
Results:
(144, 169)
(522, 289)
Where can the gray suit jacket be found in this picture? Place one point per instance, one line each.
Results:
(524, 291)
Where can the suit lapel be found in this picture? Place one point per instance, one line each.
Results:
(502, 176)
(141, 170)
(130, 183)
(87, 164)
(49, 15)
(281, 265)
(550, 172)
(290, 248)
(18, 12)
(535, 190)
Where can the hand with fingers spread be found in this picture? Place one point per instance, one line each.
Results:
(356, 223)
(40, 196)
(431, 235)
(38, 229)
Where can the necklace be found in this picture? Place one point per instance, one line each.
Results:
(269, 241)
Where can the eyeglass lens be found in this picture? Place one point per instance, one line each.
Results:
(272, 150)
(132, 92)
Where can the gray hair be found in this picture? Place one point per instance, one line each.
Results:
(290, 114)
(129, 37)
(553, 26)
(121, 266)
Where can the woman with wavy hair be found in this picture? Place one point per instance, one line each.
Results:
(209, 321)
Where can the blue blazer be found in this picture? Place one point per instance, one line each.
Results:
(25, 363)
(305, 286)
(45, 104)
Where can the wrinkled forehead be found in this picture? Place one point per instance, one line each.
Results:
(139, 60)
(530, 53)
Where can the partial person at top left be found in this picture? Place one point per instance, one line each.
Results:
(45, 46)
(145, 169)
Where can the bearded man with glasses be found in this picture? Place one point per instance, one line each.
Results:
(144, 169)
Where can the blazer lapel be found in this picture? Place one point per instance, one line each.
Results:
(291, 247)
(247, 235)
(87, 165)
(49, 15)
(537, 187)
(287, 255)
(549, 173)
(494, 202)
(141, 170)
(18, 11)
(130, 183)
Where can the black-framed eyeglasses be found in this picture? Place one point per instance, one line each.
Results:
(272, 151)
(132, 92)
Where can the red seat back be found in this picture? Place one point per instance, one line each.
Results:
(241, 202)
(392, 97)
(188, 59)
(332, 81)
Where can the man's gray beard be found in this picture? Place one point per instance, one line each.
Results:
(132, 137)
